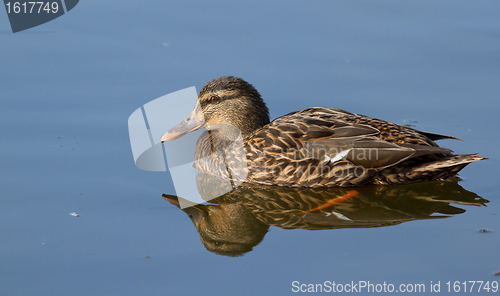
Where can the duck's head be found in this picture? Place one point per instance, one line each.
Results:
(224, 101)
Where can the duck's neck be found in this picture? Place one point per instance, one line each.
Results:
(248, 128)
(252, 119)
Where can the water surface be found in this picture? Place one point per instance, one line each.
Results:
(69, 86)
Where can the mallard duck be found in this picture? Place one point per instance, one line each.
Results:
(315, 147)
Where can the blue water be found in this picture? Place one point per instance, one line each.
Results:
(69, 86)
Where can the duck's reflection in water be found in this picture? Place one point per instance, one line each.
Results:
(234, 223)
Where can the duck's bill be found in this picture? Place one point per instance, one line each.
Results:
(192, 122)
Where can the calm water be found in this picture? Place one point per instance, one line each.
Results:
(69, 86)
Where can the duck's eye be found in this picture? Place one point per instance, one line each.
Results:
(214, 99)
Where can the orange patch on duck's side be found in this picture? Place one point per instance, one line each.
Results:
(349, 194)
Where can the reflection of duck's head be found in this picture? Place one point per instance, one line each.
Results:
(223, 101)
(226, 229)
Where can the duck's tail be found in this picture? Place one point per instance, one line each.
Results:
(439, 169)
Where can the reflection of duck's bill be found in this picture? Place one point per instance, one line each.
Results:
(171, 199)
(192, 122)
(195, 213)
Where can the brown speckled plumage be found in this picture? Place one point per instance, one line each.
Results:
(315, 147)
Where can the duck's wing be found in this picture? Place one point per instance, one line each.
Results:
(435, 137)
(390, 132)
(323, 139)
(325, 134)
